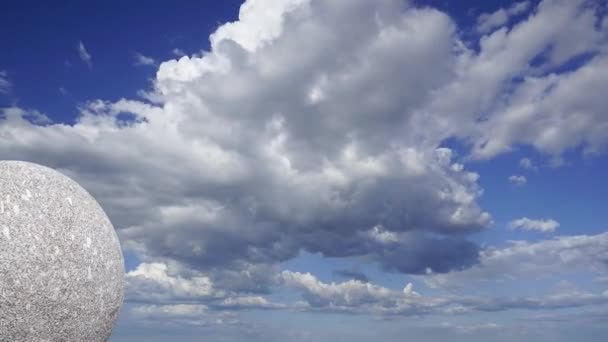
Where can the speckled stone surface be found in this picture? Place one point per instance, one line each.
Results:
(61, 266)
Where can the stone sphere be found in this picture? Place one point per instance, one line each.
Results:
(61, 266)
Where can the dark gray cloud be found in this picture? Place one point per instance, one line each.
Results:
(351, 274)
(420, 255)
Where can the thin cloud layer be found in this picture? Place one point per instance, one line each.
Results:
(84, 55)
(5, 84)
(144, 60)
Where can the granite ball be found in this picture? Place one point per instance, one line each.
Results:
(61, 265)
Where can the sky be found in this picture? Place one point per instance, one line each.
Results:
(311, 170)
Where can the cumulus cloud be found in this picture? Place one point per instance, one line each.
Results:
(144, 60)
(160, 286)
(542, 225)
(250, 171)
(84, 55)
(518, 179)
(490, 21)
(153, 282)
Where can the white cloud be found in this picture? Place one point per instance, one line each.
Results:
(144, 60)
(5, 84)
(348, 293)
(257, 25)
(518, 179)
(381, 235)
(364, 298)
(246, 302)
(527, 163)
(309, 123)
(211, 193)
(522, 259)
(84, 55)
(543, 225)
(549, 110)
(355, 296)
(490, 21)
(178, 52)
(152, 281)
(180, 310)
(157, 283)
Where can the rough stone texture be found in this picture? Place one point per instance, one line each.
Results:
(61, 266)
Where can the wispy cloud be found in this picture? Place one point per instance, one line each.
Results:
(489, 21)
(5, 84)
(84, 55)
(178, 52)
(144, 60)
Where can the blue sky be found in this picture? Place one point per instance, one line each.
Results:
(314, 171)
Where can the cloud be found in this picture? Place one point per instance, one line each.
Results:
(543, 110)
(353, 297)
(352, 274)
(84, 55)
(250, 172)
(554, 257)
(144, 60)
(356, 297)
(471, 328)
(151, 282)
(319, 126)
(177, 310)
(527, 163)
(5, 84)
(518, 179)
(517, 88)
(182, 315)
(490, 21)
(178, 52)
(158, 284)
(524, 223)
(417, 253)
